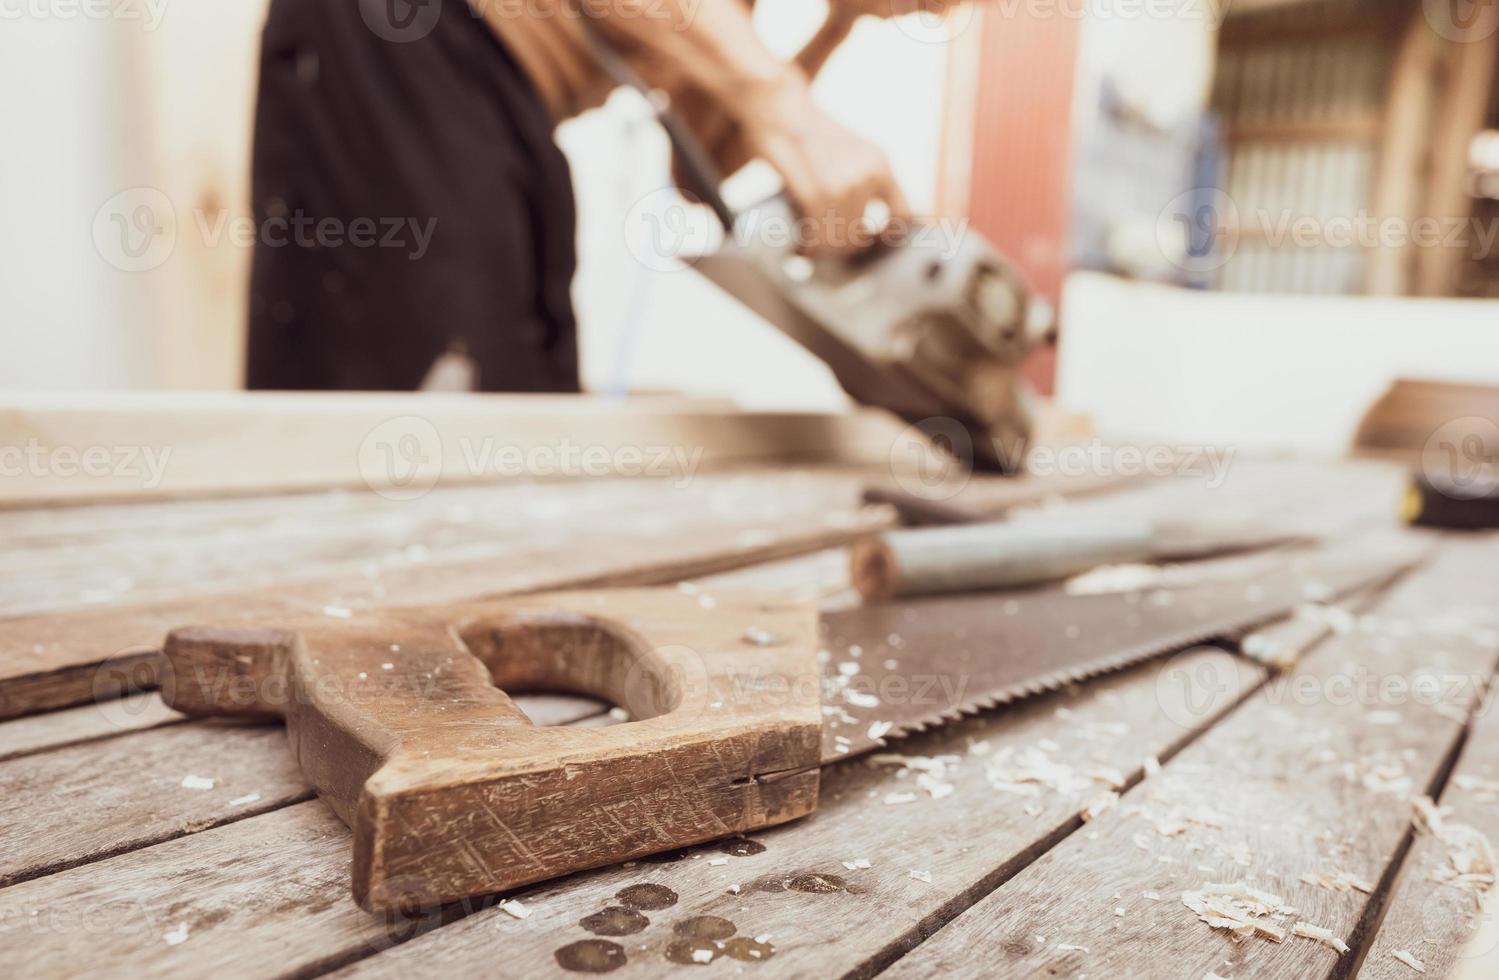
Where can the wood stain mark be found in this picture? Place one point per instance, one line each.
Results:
(807, 882)
(749, 950)
(591, 956)
(705, 927)
(694, 952)
(614, 920)
(741, 847)
(647, 897)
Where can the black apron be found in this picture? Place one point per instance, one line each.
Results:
(409, 200)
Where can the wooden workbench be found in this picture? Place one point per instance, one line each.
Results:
(135, 842)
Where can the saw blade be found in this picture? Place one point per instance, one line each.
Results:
(901, 667)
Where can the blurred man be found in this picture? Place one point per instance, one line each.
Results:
(413, 201)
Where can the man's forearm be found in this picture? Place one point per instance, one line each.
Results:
(707, 45)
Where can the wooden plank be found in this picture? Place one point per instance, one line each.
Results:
(1448, 929)
(128, 792)
(95, 556)
(285, 874)
(656, 533)
(463, 544)
(1311, 776)
(124, 793)
(1464, 105)
(86, 723)
(102, 446)
(1397, 186)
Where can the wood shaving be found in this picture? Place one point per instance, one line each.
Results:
(1237, 908)
(717, 862)
(175, 936)
(338, 612)
(925, 876)
(1152, 766)
(896, 799)
(245, 800)
(1070, 948)
(1112, 777)
(1270, 651)
(756, 636)
(196, 782)
(1096, 806)
(935, 787)
(1405, 956)
(1470, 855)
(1379, 773)
(1151, 896)
(857, 864)
(1323, 935)
(1032, 770)
(514, 909)
(879, 730)
(1338, 880)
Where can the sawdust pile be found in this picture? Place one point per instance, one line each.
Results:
(1246, 911)
(1470, 857)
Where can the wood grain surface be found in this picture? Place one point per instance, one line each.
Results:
(1311, 776)
(979, 861)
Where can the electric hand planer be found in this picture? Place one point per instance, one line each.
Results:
(933, 328)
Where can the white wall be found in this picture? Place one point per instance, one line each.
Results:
(72, 141)
(1162, 364)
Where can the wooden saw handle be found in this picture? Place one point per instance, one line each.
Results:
(400, 719)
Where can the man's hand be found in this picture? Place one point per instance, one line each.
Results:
(830, 174)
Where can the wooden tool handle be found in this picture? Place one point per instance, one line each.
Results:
(401, 721)
(971, 557)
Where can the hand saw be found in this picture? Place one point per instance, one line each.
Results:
(400, 720)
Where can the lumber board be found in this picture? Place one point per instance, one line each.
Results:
(52, 658)
(248, 442)
(56, 559)
(85, 723)
(1446, 928)
(128, 792)
(1273, 776)
(453, 545)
